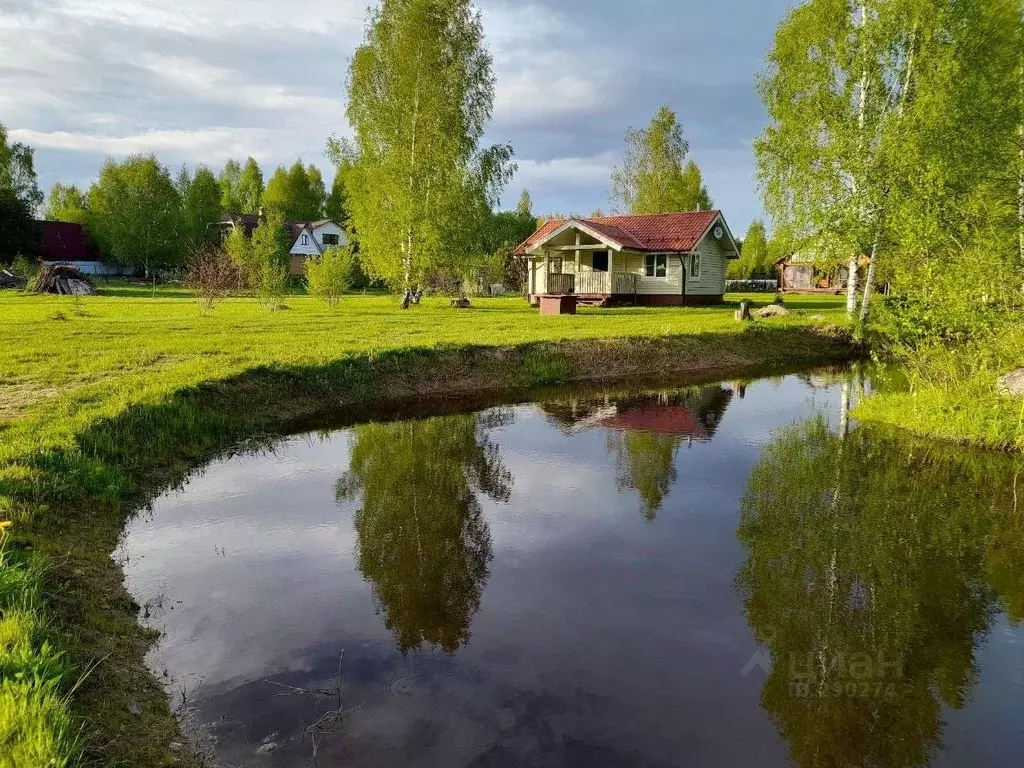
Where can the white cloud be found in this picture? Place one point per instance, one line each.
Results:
(567, 171)
(200, 80)
(212, 145)
(218, 18)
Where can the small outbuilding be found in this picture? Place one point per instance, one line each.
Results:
(666, 259)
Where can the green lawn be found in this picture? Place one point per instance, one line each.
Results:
(102, 406)
(65, 363)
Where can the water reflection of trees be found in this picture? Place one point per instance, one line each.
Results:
(873, 570)
(423, 543)
(645, 433)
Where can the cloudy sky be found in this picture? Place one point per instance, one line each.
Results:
(204, 80)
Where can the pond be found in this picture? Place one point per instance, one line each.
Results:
(720, 575)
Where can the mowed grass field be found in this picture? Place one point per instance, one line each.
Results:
(95, 416)
(65, 363)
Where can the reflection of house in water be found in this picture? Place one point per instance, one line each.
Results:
(645, 433)
(691, 413)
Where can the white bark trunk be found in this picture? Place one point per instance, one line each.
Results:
(869, 282)
(851, 286)
(1020, 193)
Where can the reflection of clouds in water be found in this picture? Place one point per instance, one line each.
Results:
(589, 639)
(401, 709)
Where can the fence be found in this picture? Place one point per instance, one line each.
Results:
(751, 286)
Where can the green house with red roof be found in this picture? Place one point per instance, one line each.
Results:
(664, 259)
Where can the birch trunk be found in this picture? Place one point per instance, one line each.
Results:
(1020, 193)
(853, 279)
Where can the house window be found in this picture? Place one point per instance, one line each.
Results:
(656, 265)
(556, 265)
(305, 239)
(332, 239)
(695, 266)
(600, 261)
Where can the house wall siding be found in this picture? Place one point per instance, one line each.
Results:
(713, 260)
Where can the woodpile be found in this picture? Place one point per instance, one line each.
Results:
(11, 280)
(65, 280)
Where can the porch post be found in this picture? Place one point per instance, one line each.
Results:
(611, 271)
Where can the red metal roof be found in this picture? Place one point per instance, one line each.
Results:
(657, 233)
(63, 241)
(663, 419)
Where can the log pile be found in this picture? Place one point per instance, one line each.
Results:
(65, 280)
(11, 280)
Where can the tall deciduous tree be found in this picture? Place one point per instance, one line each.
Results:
(17, 170)
(19, 198)
(654, 176)
(885, 116)
(525, 207)
(250, 187)
(297, 193)
(137, 213)
(755, 262)
(230, 192)
(201, 198)
(67, 203)
(421, 92)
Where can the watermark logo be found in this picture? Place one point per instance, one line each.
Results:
(854, 675)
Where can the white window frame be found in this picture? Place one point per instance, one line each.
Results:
(305, 239)
(655, 263)
(694, 266)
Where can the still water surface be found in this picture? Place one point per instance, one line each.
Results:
(724, 575)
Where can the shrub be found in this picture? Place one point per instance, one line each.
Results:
(330, 274)
(213, 274)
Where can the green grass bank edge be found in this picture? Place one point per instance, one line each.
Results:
(70, 506)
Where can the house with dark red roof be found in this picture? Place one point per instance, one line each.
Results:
(659, 259)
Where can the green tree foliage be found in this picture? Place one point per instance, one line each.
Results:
(336, 207)
(297, 194)
(888, 118)
(525, 206)
(269, 260)
(136, 213)
(18, 172)
(331, 274)
(423, 543)
(67, 203)
(870, 596)
(230, 192)
(19, 199)
(250, 188)
(755, 262)
(315, 195)
(654, 176)
(693, 194)
(201, 198)
(421, 92)
(645, 463)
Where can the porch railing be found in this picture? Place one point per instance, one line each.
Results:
(596, 283)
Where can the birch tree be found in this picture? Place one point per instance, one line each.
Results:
(884, 115)
(655, 176)
(421, 91)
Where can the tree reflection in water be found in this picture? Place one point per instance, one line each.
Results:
(870, 596)
(423, 543)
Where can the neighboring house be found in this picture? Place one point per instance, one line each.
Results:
(693, 414)
(661, 259)
(309, 238)
(62, 242)
(804, 272)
